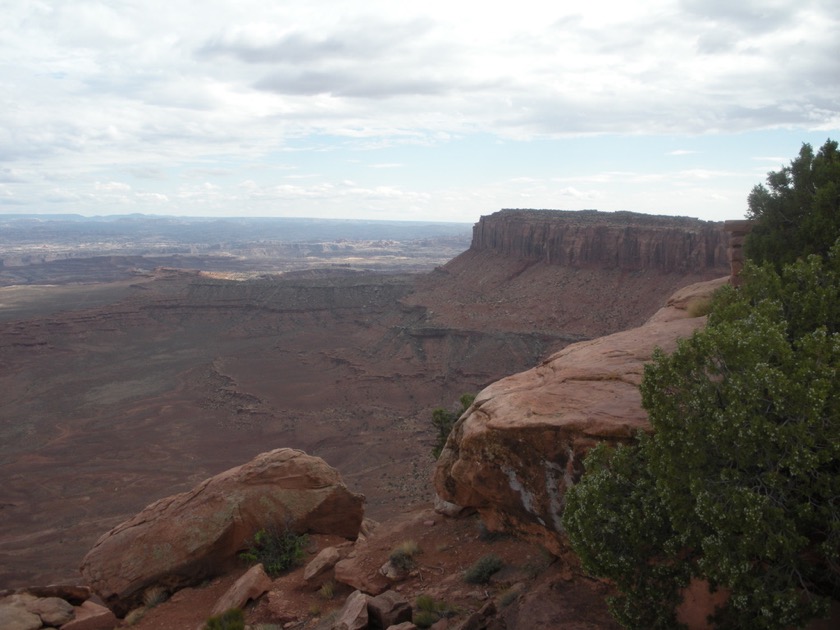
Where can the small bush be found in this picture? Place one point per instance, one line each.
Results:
(327, 590)
(425, 602)
(444, 420)
(134, 616)
(424, 618)
(277, 550)
(232, 619)
(402, 557)
(428, 611)
(699, 308)
(153, 596)
(483, 569)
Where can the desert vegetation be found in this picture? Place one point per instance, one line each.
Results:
(278, 549)
(483, 569)
(403, 557)
(232, 619)
(738, 483)
(443, 420)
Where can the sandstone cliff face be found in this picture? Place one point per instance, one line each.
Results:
(592, 239)
(516, 451)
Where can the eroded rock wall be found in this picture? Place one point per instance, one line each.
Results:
(609, 240)
(520, 446)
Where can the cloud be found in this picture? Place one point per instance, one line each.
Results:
(153, 94)
(363, 40)
(349, 84)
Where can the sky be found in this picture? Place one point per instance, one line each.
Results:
(428, 111)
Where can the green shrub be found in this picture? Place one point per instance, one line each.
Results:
(428, 611)
(278, 550)
(738, 483)
(232, 619)
(483, 569)
(424, 618)
(798, 213)
(444, 420)
(402, 558)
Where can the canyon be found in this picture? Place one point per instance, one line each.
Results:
(121, 392)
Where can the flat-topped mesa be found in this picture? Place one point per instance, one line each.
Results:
(591, 239)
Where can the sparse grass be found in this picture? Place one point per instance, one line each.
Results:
(424, 618)
(428, 611)
(154, 595)
(483, 569)
(277, 549)
(232, 619)
(327, 590)
(402, 557)
(425, 602)
(134, 616)
(700, 307)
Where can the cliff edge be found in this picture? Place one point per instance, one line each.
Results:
(628, 241)
(520, 446)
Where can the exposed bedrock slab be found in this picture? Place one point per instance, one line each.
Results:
(516, 451)
(185, 538)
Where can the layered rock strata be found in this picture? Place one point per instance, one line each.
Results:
(520, 446)
(605, 240)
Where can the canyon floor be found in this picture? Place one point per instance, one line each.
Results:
(116, 394)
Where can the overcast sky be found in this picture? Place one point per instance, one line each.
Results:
(425, 110)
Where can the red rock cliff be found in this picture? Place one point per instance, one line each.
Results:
(611, 240)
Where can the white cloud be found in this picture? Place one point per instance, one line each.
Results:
(150, 93)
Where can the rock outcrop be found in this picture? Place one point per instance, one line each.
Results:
(185, 538)
(514, 453)
(605, 240)
(45, 607)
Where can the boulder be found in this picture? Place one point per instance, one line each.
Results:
(251, 586)
(520, 446)
(354, 614)
(321, 563)
(183, 539)
(91, 616)
(53, 611)
(357, 572)
(388, 609)
(16, 617)
(72, 593)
